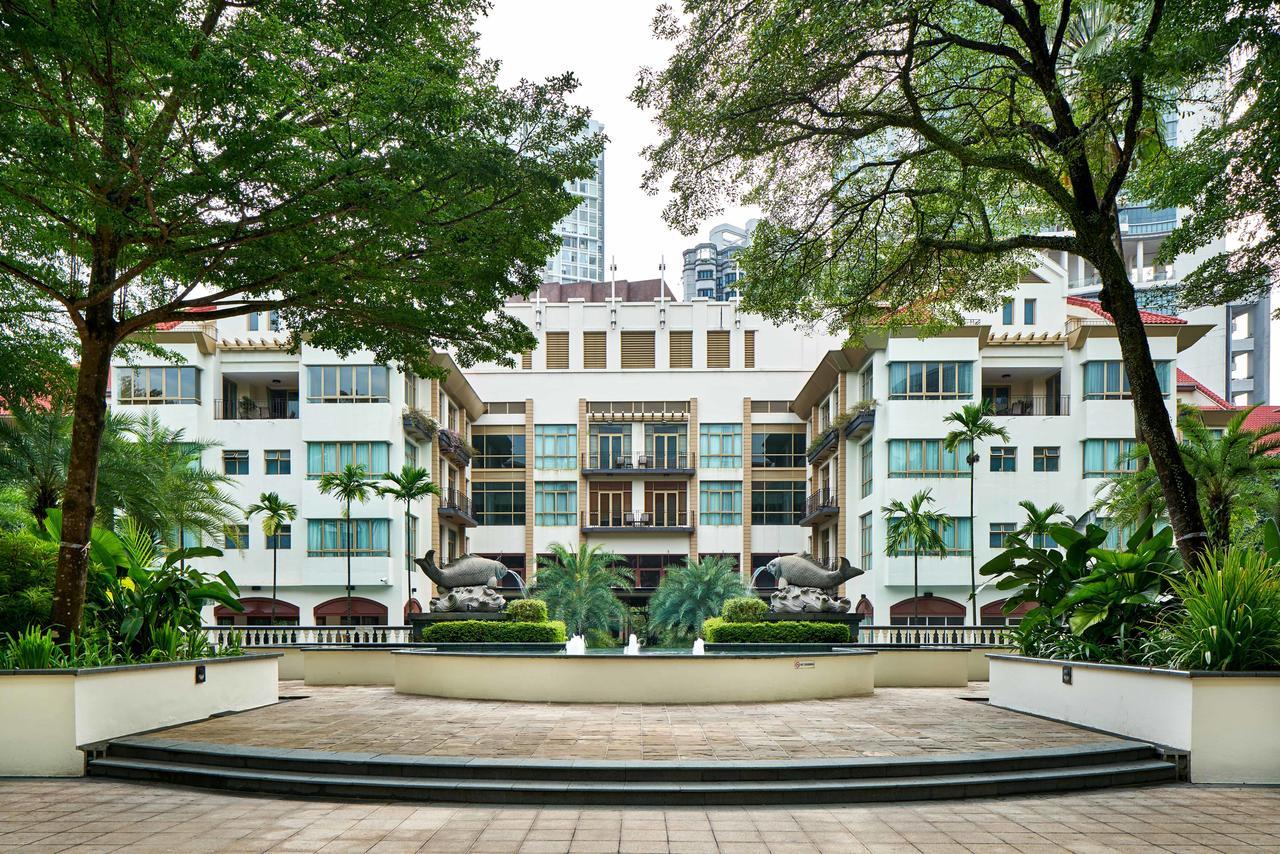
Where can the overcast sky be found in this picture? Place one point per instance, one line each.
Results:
(604, 44)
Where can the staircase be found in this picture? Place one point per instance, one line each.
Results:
(658, 783)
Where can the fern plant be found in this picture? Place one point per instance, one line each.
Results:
(693, 592)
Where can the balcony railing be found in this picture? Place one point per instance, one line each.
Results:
(638, 520)
(935, 635)
(245, 409)
(457, 506)
(823, 447)
(637, 463)
(819, 507)
(249, 636)
(1032, 404)
(454, 447)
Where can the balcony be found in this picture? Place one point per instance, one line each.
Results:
(456, 507)
(1033, 404)
(454, 447)
(622, 465)
(860, 423)
(821, 449)
(1142, 220)
(420, 425)
(820, 507)
(629, 521)
(249, 409)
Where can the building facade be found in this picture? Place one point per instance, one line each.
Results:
(581, 233)
(711, 269)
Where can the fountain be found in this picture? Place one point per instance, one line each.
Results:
(576, 645)
(633, 646)
(699, 647)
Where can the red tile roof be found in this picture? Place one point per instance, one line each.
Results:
(1152, 317)
(1263, 416)
(171, 324)
(1185, 380)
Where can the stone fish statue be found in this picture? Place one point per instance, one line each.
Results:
(467, 584)
(804, 586)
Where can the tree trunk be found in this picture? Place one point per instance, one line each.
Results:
(915, 585)
(87, 425)
(1151, 412)
(275, 553)
(350, 543)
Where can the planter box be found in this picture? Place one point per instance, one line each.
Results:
(922, 667)
(1226, 721)
(348, 665)
(48, 716)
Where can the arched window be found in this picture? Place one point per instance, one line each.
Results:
(413, 606)
(993, 614)
(931, 611)
(257, 612)
(866, 609)
(363, 612)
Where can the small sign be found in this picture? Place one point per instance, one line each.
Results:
(1066, 674)
(804, 665)
(200, 674)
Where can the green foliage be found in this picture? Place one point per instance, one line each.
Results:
(32, 649)
(493, 631)
(1042, 576)
(600, 639)
(578, 587)
(527, 611)
(1121, 592)
(14, 515)
(744, 609)
(1229, 617)
(274, 510)
(27, 567)
(716, 630)
(913, 527)
(692, 592)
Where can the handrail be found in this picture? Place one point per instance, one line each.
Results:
(640, 462)
(632, 519)
(250, 636)
(935, 635)
(247, 409)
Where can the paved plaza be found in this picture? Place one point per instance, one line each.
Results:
(84, 815)
(894, 722)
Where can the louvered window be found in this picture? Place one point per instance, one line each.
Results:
(680, 344)
(557, 351)
(594, 350)
(749, 348)
(718, 349)
(637, 350)
(526, 360)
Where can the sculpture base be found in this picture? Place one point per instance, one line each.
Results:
(807, 600)
(470, 600)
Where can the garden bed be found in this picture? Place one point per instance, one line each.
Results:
(49, 716)
(1227, 721)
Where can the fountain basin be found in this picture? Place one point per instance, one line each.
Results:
(645, 678)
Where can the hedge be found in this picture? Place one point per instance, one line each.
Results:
(494, 631)
(744, 609)
(27, 568)
(527, 611)
(716, 630)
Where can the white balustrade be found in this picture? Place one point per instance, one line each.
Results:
(934, 635)
(252, 636)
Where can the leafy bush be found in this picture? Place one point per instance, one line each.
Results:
(32, 649)
(27, 567)
(527, 611)
(744, 609)
(494, 631)
(716, 630)
(600, 639)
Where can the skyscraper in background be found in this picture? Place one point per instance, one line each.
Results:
(711, 269)
(581, 256)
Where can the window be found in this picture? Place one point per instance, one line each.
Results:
(500, 503)
(720, 446)
(637, 350)
(777, 502)
(282, 538)
(557, 351)
(865, 530)
(718, 348)
(235, 536)
(161, 385)
(680, 348)
(1004, 458)
(927, 458)
(867, 471)
(1000, 532)
(347, 384)
(506, 407)
(235, 462)
(410, 454)
(868, 383)
(555, 503)
(957, 536)
(331, 537)
(930, 380)
(706, 274)
(526, 360)
(1107, 380)
(410, 390)
(1029, 311)
(1006, 315)
(595, 351)
(277, 462)
(1105, 457)
(749, 348)
(720, 502)
(496, 450)
(333, 457)
(778, 407)
(555, 446)
(1046, 458)
(777, 450)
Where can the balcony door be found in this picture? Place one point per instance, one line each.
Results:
(664, 506)
(613, 447)
(610, 508)
(665, 453)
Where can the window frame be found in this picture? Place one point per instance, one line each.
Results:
(1042, 454)
(276, 457)
(718, 435)
(794, 492)
(911, 379)
(237, 456)
(1005, 455)
(562, 495)
(483, 490)
(726, 496)
(330, 379)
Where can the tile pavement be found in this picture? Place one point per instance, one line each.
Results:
(89, 815)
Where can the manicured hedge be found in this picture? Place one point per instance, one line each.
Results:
(494, 631)
(744, 609)
(527, 611)
(716, 630)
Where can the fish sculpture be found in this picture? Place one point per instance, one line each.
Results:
(466, 571)
(800, 570)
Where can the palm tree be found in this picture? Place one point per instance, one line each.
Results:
(275, 512)
(1235, 474)
(972, 426)
(350, 484)
(578, 587)
(411, 484)
(694, 591)
(1039, 520)
(914, 526)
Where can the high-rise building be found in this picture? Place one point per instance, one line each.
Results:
(581, 233)
(711, 269)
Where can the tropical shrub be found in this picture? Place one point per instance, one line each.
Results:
(716, 630)
(494, 631)
(27, 567)
(32, 649)
(578, 587)
(600, 639)
(527, 611)
(692, 592)
(744, 609)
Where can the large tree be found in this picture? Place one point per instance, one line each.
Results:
(911, 157)
(351, 165)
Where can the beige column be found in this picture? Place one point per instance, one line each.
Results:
(842, 466)
(434, 527)
(584, 447)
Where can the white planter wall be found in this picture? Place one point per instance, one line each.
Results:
(46, 716)
(1230, 723)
